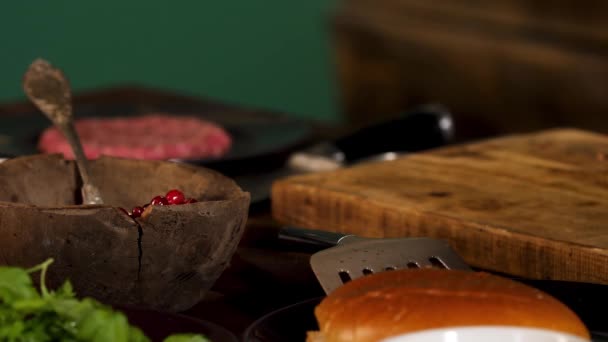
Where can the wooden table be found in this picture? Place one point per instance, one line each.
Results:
(263, 275)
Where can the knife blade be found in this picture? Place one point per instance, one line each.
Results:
(420, 128)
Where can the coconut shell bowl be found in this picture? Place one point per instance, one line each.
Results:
(167, 259)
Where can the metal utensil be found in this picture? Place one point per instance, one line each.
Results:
(587, 300)
(419, 128)
(353, 256)
(49, 90)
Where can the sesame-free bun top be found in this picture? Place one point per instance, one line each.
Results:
(397, 302)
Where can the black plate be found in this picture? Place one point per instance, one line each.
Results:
(291, 323)
(255, 134)
(287, 324)
(158, 325)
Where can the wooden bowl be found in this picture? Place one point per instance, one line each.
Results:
(166, 260)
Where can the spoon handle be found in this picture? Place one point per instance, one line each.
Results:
(68, 130)
(90, 193)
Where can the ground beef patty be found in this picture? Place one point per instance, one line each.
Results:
(154, 136)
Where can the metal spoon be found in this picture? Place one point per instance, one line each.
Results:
(49, 90)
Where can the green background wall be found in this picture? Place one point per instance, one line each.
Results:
(272, 54)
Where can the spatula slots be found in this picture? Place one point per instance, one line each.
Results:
(350, 257)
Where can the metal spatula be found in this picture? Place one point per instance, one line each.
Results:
(352, 256)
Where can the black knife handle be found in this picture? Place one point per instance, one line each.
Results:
(418, 129)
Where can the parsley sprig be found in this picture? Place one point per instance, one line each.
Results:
(29, 315)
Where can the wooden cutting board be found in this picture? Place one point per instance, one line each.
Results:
(533, 205)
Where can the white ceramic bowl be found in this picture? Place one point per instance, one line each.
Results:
(486, 334)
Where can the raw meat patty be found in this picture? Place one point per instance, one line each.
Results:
(154, 136)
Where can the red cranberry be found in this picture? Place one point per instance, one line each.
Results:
(175, 197)
(137, 211)
(190, 200)
(159, 200)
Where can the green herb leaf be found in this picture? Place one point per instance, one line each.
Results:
(16, 284)
(186, 338)
(29, 316)
(65, 291)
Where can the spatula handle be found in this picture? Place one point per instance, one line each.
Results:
(311, 236)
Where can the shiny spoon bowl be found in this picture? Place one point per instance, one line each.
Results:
(48, 88)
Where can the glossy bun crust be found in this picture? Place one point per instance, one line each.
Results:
(396, 302)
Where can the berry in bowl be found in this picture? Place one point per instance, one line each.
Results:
(165, 232)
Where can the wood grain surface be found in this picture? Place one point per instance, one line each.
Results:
(532, 205)
(504, 66)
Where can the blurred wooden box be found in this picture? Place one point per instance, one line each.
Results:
(502, 66)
